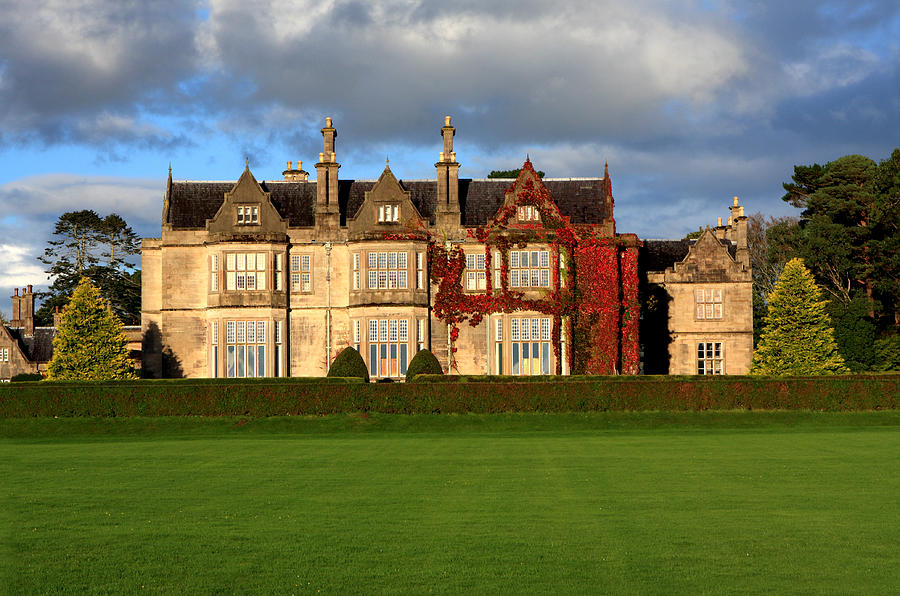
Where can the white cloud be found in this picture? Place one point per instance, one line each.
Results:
(42, 199)
(833, 67)
(20, 268)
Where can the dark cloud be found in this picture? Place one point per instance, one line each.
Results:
(67, 66)
(691, 102)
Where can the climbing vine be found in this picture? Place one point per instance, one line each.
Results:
(595, 289)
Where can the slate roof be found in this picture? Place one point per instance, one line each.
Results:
(192, 203)
(659, 255)
(37, 347)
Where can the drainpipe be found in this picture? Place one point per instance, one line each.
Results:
(328, 304)
(487, 343)
(447, 246)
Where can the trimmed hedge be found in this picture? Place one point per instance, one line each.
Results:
(423, 363)
(24, 377)
(349, 363)
(439, 394)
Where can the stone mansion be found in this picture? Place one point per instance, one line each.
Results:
(516, 277)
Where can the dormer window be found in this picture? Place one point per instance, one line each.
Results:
(388, 213)
(529, 213)
(247, 215)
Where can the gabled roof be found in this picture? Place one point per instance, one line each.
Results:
(37, 347)
(659, 255)
(583, 200)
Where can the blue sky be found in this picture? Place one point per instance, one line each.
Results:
(691, 102)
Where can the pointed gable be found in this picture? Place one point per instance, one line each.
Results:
(709, 260)
(246, 211)
(527, 203)
(386, 208)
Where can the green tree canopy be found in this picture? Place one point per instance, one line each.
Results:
(510, 173)
(89, 342)
(798, 338)
(770, 248)
(87, 245)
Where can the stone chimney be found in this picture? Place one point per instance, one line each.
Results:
(297, 174)
(722, 233)
(327, 210)
(23, 310)
(56, 318)
(27, 311)
(739, 232)
(16, 320)
(447, 209)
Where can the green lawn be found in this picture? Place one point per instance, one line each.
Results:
(687, 503)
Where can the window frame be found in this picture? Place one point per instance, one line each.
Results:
(709, 304)
(301, 273)
(247, 215)
(712, 361)
(237, 276)
(390, 270)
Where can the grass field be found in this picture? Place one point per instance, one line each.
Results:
(642, 502)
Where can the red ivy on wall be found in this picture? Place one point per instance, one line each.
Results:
(597, 294)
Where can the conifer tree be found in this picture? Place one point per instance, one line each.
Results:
(798, 338)
(89, 342)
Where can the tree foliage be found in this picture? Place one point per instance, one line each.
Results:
(848, 236)
(89, 342)
(798, 338)
(510, 173)
(769, 247)
(99, 248)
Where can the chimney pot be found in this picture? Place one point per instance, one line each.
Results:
(299, 164)
(719, 221)
(328, 122)
(290, 163)
(17, 291)
(735, 201)
(446, 120)
(321, 157)
(29, 288)
(441, 156)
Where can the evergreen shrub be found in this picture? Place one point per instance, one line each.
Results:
(26, 377)
(798, 338)
(887, 352)
(423, 363)
(349, 364)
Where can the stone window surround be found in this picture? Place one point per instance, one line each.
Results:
(247, 215)
(710, 357)
(709, 304)
(234, 272)
(384, 269)
(302, 273)
(509, 341)
(538, 263)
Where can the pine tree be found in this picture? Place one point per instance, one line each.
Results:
(89, 342)
(798, 338)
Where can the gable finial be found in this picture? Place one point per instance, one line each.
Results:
(387, 161)
(605, 169)
(247, 162)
